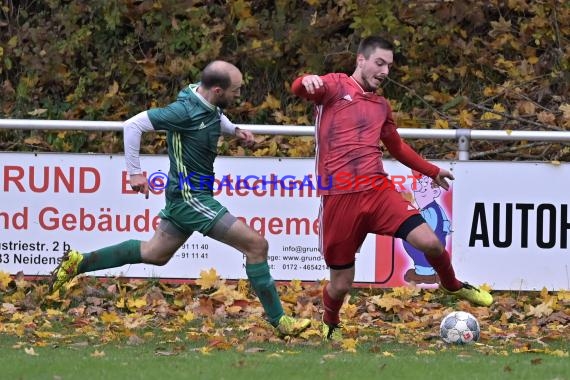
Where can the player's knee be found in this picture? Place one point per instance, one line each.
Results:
(154, 256)
(161, 261)
(153, 259)
(258, 247)
(340, 287)
(432, 246)
(156, 260)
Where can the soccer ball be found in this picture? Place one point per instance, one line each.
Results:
(459, 327)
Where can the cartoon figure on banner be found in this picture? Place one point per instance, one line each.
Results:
(425, 193)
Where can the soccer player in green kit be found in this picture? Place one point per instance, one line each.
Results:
(194, 123)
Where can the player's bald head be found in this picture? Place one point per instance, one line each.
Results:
(219, 73)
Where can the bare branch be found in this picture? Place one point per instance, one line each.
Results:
(413, 92)
(556, 29)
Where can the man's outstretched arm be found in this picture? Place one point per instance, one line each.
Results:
(310, 87)
(133, 129)
(409, 157)
(230, 128)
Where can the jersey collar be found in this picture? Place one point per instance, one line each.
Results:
(194, 88)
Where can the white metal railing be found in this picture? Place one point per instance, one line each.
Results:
(462, 136)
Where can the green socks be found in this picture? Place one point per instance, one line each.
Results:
(264, 287)
(127, 252)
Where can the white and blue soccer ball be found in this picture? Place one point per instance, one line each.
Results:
(459, 327)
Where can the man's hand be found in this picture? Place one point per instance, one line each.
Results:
(139, 183)
(441, 178)
(245, 136)
(312, 83)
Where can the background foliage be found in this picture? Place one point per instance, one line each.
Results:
(459, 64)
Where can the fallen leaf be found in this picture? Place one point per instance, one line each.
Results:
(254, 350)
(30, 351)
(349, 345)
(541, 310)
(135, 340)
(559, 353)
(208, 279)
(565, 108)
(165, 353)
(38, 112)
(5, 279)
(97, 354)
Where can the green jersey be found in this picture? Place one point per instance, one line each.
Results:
(193, 130)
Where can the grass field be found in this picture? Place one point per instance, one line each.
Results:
(157, 359)
(137, 329)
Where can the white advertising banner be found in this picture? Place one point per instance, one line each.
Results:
(505, 224)
(511, 224)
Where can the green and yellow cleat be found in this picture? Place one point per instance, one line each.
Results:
(66, 270)
(473, 294)
(289, 326)
(332, 332)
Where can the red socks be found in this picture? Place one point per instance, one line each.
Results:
(444, 269)
(332, 308)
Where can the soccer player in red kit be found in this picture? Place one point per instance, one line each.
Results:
(351, 120)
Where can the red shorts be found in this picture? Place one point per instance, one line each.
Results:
(346, 219)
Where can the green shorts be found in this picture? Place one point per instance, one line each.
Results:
(200, 213)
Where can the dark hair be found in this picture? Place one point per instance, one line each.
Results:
(213, 76)
(369, 44)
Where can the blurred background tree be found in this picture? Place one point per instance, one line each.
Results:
(459, 64)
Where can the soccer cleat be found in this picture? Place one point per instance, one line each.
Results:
(66, 270)
(289, 326)
(332, 332)
(472, 294)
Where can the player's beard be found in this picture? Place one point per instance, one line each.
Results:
(223, 103)
(369, 86)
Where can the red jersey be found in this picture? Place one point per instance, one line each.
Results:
(349, 124)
